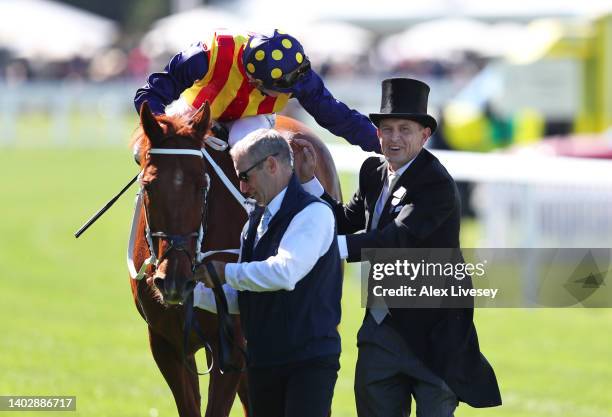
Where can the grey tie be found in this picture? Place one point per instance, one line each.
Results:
(263, 225)
(382, 199)
(379, 309)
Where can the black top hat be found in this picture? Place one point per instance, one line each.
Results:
(404, 98)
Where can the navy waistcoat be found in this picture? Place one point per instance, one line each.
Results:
(290, 326)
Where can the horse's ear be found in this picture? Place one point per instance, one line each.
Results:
(200, 121)
(149, 123)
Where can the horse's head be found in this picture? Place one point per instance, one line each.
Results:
(174, 191)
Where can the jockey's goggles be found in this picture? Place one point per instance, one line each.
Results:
(289, 79)
(244, 175)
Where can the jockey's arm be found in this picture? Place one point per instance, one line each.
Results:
(334, 115)
(162, 88)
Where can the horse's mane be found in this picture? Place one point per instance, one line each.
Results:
(173, 126)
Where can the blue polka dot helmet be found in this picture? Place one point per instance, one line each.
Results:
(276, 62)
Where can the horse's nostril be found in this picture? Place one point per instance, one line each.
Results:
(159, 283)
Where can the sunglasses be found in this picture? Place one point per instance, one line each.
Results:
(289, 79)
(244, 175)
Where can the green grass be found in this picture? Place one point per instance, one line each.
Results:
(69, 326)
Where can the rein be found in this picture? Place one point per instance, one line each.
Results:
(179, 243)
(226, 334)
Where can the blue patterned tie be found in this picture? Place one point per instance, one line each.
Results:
(263, 225)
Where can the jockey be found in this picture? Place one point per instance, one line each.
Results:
(247, 79)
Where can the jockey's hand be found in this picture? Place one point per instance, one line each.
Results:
(201, 273)
(305, 159)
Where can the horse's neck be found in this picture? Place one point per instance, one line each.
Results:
(226, 216)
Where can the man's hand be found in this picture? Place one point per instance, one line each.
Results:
(305, 159)
(201, 273)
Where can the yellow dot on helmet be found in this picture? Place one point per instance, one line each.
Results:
(260, 55)
(276, 73)
(287, 43)
(299, 57)
(277, 54)
(250, 68)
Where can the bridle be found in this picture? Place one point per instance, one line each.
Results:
(177, 242)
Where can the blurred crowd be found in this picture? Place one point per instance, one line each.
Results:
(106, 65)
(120, 63)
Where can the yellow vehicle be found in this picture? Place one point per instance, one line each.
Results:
(558, 82)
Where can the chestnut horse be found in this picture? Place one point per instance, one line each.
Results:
(178, 187)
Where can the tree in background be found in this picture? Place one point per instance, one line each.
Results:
(134, 16)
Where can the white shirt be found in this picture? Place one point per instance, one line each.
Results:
(315, 188)
(307, 238)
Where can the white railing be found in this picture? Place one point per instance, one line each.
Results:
(527, 201)
(81, 113)
(95, 114)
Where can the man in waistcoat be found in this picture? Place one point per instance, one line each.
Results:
(407, 199)
(286, 286)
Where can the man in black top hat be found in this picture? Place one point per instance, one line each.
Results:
(407, 199)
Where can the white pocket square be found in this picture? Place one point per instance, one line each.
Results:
(399, 193)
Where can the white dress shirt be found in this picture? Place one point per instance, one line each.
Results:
(307, 238)
(315, 188)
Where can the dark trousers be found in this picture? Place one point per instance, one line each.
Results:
(294, 390)
(388, 375)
